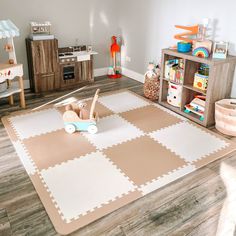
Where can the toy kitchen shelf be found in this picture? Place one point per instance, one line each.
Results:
(221, 74)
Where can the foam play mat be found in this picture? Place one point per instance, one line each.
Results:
(140, 147)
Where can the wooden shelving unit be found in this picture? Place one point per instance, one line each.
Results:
(221, 74)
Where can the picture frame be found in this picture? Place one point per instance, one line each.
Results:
(220, 50)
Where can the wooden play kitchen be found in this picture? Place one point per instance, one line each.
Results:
(219, 84)
(53, 68)
(11, 70)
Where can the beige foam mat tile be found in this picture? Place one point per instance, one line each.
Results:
(56, 147)
(143, 159)
(148, 118)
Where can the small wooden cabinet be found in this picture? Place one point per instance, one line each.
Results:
(221, 74)
(43, 64)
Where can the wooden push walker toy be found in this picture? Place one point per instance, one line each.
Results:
(77, 118)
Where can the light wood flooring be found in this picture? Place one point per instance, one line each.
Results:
(189, 206)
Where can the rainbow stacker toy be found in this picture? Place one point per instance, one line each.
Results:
(201, 52)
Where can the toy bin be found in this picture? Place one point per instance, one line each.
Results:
(225, 116)
(174, 94)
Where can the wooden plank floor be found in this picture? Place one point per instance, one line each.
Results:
(189, 206)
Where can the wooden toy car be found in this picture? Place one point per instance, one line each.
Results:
(77, 118)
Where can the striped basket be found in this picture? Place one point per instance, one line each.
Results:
(225, 116)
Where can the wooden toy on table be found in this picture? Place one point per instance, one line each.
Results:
(11, 70)
(77, 118)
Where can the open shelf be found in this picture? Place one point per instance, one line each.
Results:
(166, 79)
(190, 87)
(194, 118)
(177, 110)
(173, 108)
(220, 78)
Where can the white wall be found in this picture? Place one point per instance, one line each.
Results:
(148, 26)
(91, 21)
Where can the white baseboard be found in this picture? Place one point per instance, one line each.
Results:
(100, 72)
(126, 72)
(103, 71)
(97, 72)
(133, 75)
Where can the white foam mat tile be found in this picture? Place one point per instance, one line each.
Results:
(188, 141)
(113, 130)
(25, 158)
(122, 102)
(166, 179)
(83, 184)
(37, 123)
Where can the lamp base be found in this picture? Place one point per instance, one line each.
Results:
(116, 76)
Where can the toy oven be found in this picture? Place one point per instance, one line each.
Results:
(68, 72)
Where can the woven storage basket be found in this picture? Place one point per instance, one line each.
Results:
(225, 116)
(151, 87)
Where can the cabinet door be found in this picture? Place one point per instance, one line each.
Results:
(85, 71)
(45, 82)
(67, 82)
(45, 56)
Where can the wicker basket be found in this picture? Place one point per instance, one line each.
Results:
(151, 87)
(225, 116)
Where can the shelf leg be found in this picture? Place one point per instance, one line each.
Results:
(10, 98)
(22, 94)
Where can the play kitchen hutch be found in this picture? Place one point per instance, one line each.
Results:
(11, 70)
(53, 68)
(219, 84)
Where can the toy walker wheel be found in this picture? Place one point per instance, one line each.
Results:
(70, 129)
(92, 129)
